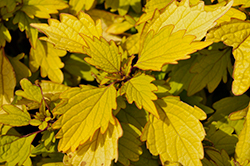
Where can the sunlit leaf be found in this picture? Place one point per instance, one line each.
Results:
(244, 3)
(236, 34)
(86, 110)
(15, 150)
(103, 55)
(15, 116)
(166, 47)
(76, 6)
(176, 136)
(7, 79)
(239, 114)
(43, 56)
(4, 35)
(42, 8)
(66, 34)
(100, 150)
(140, 90)
(49, 87)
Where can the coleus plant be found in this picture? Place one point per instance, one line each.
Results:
(145, 75)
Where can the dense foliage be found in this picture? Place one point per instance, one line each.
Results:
(124, 82)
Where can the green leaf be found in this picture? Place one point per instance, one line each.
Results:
(140, 90)
(129, 145)
(42, 56)
(100, 150)
(176, 136)
(103, 55)
(24, 24)
(42, 8)
(86, 110)
(31, 92)
(155, 52)
(15, 150)
(66, 34)
(4, 35)
(15, 116)
(220, 158)
(10, 4)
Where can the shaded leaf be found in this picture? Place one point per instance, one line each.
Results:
(100, 150)
(76, 6)
(176, 136)
(10, 4)
(4, 35)
(220, 158)
(237, 115)
(43, 56)
(86, 110)
(170, 47)
(140, 90)
(42, 8)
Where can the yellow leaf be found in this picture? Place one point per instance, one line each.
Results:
(7, 79)
(52, 87)
(21, 70)
(47, 57)
(140, 90)
(166, 47)
(176, 136)
(244, 3)
(243, 146)
(31, 92)
(15, 116)
(100, 150)
(194, 19)
(66, 34)
(103, 55)
(86, 110)
(76, 6)
(4, 35)
(236, 34)
(42, 8)
(237, 115)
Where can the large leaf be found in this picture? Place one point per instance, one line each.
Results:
(166, 47)
(42, 8)
(4, 35)
(86, 110)
(139, 89)
(15, 150)
(244, 3)
(220, 158)
(100, 150)
(103, 55)
(194, 19)
(76, 6)
(7, 79)
(43, 56)
(10, 4)
(66, 34)
(176, 136)
(236, 34)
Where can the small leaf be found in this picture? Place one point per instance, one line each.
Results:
(49, 87)
(42, 56)
(42, 8)
(4, 35)
(140, 90)
(100, 150)
(15, 150)
(15, 116)
(86, 110)
(239, 114)
(244, 3)
(103, 55)
(166, 47)
(31, 92)
(76, 6)
(176, 136)
(66, 34)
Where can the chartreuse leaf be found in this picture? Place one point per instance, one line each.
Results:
(24, 24)
(103, 55)
(21, 70)
(7, 79)
(42, 56)
(31, 92)
(100, 150)
(244, 3)
(194, 19)
(129, 145)
(49, 87)
(15, 116)
(242, 147)
(140, 90)
(86, 110)
(237, 115)
(54, 164)
(4, 35)
(76, 6)
(220, 158)
(66, 34)
(170, 47)
(15, 150)
(236, 34)
(176, 136)
(211, 69)
(42, 8)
